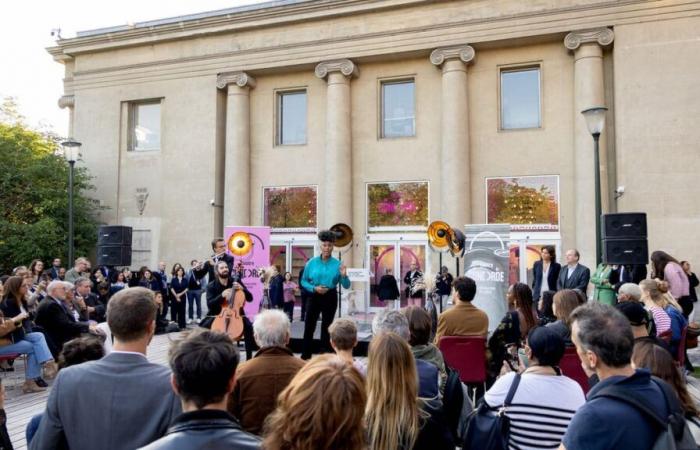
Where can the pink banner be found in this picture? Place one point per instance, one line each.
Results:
(250, 247)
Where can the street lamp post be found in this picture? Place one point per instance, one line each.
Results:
(71, 151)
(595, 120)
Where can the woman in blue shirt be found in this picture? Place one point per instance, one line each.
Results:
(321, 277)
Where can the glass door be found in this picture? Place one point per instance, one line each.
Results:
(382, 262)
(412, 257)
(523, 254)
(290, 253)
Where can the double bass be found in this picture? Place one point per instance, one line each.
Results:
(230, 320)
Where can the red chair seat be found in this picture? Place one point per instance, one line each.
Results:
(466, 355)
(570, 366)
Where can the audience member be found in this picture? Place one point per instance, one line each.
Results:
(443, 283)
(665, 267)
(204, 423)
(693, 281)
(574, 275)
(629, 292)
(126, 400)
(194, 294)
(603, 290)
(638, 318)
(565, 302)
(389, 321)
(343, 334)
(55, 270)
(308, 417)
(16, 337)
(604, 342)
(463, 319)
(544, 401)
(289, 287)
(513, 328)
(545, 272)
(55, 318)
(80, 268)
(95, 308)
(545, 309)
(36, 268)
(396, 418)
(5, 442)
(161, 321)
(660, 304)
(260, 380)
(178, 294)
(419, 326)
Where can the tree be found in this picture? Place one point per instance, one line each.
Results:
(34, 197)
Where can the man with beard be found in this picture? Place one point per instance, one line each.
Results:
(218, 292)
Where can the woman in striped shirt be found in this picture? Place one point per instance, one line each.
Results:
(545, 401)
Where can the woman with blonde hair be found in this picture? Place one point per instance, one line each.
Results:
(396, 418)
(656, 300)
(320, 409)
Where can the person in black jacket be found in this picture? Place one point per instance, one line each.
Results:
(219, 291)
(388, 289)
(443, 283)
(178, 291)
(194, 293)
(208, 267)
(545, 272)
(627, 273)
(276, 289)
(693, 281)
(95, 305)
(55, 319)
(204, 421)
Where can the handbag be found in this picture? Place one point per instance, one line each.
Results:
(489, 429)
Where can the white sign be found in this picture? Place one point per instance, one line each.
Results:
(358, 274)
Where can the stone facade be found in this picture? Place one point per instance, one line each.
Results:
(217, 77)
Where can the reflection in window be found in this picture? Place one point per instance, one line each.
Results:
(398, 109)
(144, 126)
(397, 205)
(291, 118)
(529, 203)
(520, 99)
(290, 207)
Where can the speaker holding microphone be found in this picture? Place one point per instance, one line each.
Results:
(625, 238)
(114, 245)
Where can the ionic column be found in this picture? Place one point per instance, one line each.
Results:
(455, 190)
(589, 91)
(237, 176)
(68, 101)
(337, 183)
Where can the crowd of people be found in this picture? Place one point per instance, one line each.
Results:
(90, 330)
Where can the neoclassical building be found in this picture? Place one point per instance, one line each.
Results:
(387, 115)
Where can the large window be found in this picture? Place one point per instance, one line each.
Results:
(291, 208)
(398, 109)
(402, 206)
(529, 203)
(520, 98)
(144, 126)
(291, 118)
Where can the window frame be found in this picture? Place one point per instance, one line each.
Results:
(132, 106)
(397, 80)
(522, 67)
(279, 94)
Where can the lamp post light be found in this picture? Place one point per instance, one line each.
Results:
(71, 151)
(595, 120)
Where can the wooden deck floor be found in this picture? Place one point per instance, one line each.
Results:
(20, 408)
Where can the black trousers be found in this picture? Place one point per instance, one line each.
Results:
(177, 311)
(319, 305)
(288, 308)
(250, 346)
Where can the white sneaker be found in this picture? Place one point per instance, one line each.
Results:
(189, 321)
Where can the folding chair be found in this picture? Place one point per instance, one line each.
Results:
(466, 355)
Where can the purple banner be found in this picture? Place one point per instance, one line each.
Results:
(250, 248)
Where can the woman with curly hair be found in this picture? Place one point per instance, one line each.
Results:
(321, 409)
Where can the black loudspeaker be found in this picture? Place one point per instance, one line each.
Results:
(114, 255)
(625, 225)
(626, 251)
(114, 235)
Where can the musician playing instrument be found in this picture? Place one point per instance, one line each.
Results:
(321, 277)
(219, 291)
(414, 285)
(218, 246)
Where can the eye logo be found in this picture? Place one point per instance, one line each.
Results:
(240, 243)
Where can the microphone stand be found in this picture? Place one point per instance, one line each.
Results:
(340, 287)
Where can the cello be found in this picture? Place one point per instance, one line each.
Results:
(230, 321)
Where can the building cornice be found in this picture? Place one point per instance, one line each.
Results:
(240, 79)
(465, 53)
(344, 66)
(602, 36)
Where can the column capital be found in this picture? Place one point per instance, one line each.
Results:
(465, 53)
(603, 36)
(240, 79)
(66, 101)
(344, 66)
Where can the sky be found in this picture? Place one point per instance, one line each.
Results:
(29, 74)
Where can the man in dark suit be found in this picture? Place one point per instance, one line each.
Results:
(218, 246)
(110, 273)
(55, 268)
(219, 291)
(574, 275)
(627, 273)
(119, 402)
(56, 320)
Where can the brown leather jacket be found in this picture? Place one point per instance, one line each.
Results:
(7, 326)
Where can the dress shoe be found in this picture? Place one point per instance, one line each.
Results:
(41, 383)
(30, 386)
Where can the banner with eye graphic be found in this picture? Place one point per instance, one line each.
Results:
(250, 248)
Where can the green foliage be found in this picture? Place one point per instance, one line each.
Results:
(34, 196)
